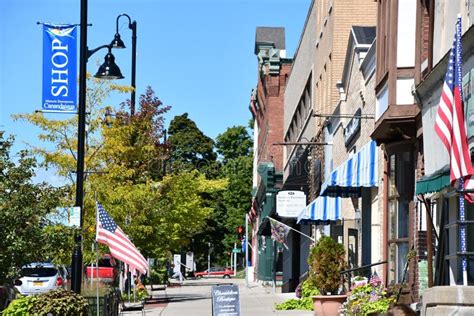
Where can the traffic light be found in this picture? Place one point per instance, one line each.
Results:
(240, 231)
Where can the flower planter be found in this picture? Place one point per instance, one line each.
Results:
(327, 305)
(360, 282)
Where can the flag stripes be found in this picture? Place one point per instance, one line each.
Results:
(110, 234)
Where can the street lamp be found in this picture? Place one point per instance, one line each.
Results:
(108, 70)
(118, 43)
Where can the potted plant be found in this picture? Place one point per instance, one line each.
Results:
(370, 298)
(326, 261)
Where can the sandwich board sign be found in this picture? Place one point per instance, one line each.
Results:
(225, 300)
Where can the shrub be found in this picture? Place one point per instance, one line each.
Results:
(57, 302)
(303, 303)
(21, 306)
(326, 261)
(141, 295)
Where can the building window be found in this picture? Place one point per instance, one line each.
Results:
(400, 182)
(383, 32)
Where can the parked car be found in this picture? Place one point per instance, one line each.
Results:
(223, 272)
(107, 271)
(40, 277)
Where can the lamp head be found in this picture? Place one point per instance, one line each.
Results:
(117, 41)
(109, 69)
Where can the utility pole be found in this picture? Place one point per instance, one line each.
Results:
(246, 249)
(235, 258)
(209, 259)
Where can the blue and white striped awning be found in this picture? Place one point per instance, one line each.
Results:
(358, 171)
(324, 208)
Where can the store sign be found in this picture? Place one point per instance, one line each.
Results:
(225, 300)
(352, 128)
(290, 203)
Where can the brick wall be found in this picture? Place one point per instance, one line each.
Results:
(334, 24)
(270, 95)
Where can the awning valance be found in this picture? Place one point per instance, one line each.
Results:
(324, 208)
(434, 182)
(358, 171)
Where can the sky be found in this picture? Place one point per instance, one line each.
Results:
(197, 55)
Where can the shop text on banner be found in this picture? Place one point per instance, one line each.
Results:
(59, 68)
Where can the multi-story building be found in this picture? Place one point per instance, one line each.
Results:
(312, 94)
(397, 131)
(266, 105)
(440, 209)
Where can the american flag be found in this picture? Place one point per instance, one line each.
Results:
(279, 231)
(110, 234)
(450, 125)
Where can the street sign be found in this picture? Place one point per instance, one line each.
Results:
(236, 250)
(225, 300)
(67, 216)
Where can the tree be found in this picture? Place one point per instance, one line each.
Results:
(191, 149)
(23, 210)
(230, 206)
(124, 167)
(233, 143)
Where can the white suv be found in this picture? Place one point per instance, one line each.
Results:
(40, 277)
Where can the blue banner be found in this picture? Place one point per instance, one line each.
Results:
(59, 68)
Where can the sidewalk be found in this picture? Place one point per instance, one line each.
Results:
(194, 298)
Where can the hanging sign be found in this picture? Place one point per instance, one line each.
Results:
(59, 68)
(352, 128)
(290, 203)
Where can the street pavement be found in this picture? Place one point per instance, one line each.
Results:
(193, 298)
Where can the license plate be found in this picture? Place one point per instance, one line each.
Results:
(37, 283)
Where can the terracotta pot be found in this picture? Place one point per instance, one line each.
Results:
(328, 305)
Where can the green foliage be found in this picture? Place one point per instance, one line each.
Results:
(235, 142)
(23, 210)
(303, 303)
(57, 302)
(60, 302)
(141, 295)
(229, 206)
(191, 149)
(21, 306)
(308, 290)
(367, 299)
(326, 261)
(158, 276)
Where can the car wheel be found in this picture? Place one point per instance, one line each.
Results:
(226, 276)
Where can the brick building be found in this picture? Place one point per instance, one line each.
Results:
(266, 105)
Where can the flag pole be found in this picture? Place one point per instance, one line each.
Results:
(462, 218)
(462, 232)
(312, 239)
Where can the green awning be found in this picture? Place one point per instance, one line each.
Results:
(434, 182)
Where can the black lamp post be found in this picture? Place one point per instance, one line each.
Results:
(118, 43)
(108, 70)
